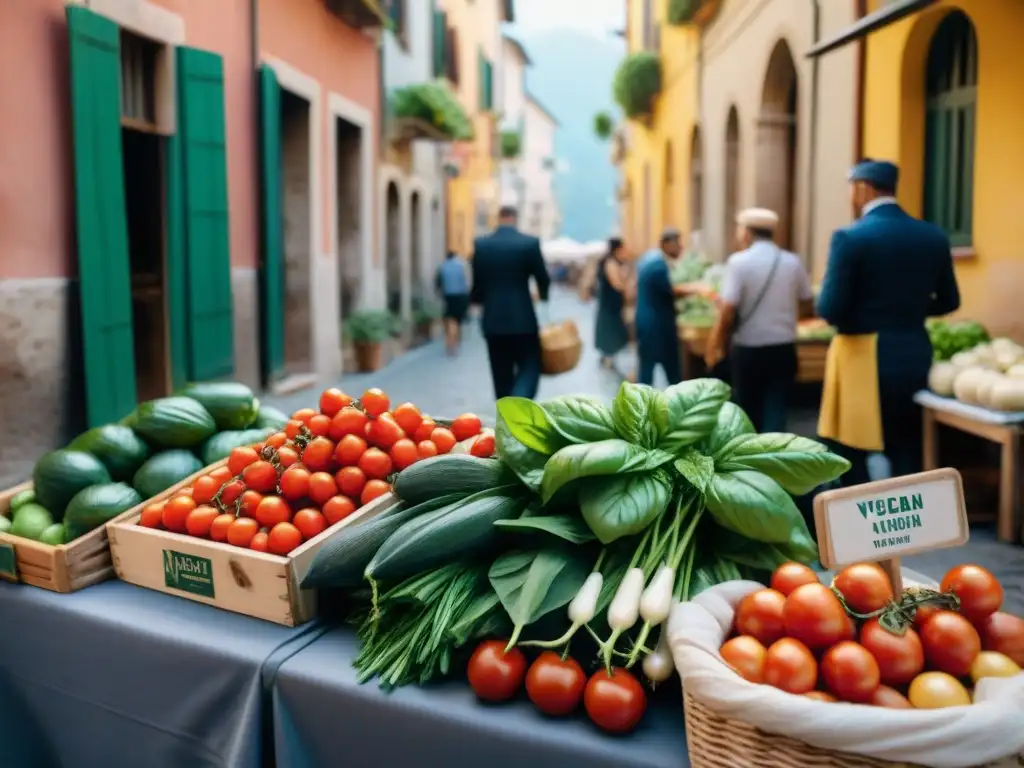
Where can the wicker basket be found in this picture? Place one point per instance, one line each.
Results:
(560, 348)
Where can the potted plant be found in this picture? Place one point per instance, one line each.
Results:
(425, 312)
(637, 84)
(368, 329)
(682, 11)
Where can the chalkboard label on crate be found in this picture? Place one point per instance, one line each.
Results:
(188, 573)
(8, 562)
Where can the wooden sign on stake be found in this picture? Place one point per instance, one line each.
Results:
(885, 520)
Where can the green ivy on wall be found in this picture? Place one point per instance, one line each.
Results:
(682, 11)
(637, 83)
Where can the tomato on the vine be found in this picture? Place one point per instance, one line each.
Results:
(979, 591)
(304, 415)
(283, 538)
(319, 425)
(759, 615)
(292, 428)
(220, 525)
(248, 503)
(374, 401)
(426, 449)
(348, 421)
(260, 476)
(351, 481)
(271, 511)
(310, 523)
(789, 576)
(951, 643)
(900, 657)
(241, 531)
(152, 516)
(259, 542)
(424, 430)
(384, 431)
(287, 456)
(295, 483)
(850, 671)
(204, 489)
(746, 655)
(318, 456)
(408, 417)
(240, 458)
(200, 520)
(337, 508)
(865, 587)
(483, 447)
(615, 702)
(375, 464)
(555, 686)
(276, 440)
(322, 487)
(495, 675)
(814, 616)
(333, 400)
(790, 666)
(374, 489)
(466, 425)
(404, 454)
(443, 439)
(176, 512)
(1004, 633)
(221, 474)
(884, 696)
(349, 450)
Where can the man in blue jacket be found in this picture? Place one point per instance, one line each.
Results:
(887, 273)
(503, 263)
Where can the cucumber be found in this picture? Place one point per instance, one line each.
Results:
(21, 498)
(164, 470)
(173, 422)
(97, 505)
(451, 473)
(220, 445)
(232, 404)
(270, 418)
(460, 530)
(59, 475)
(342, 560)
(118, 447)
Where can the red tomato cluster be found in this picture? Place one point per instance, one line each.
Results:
(324, 465)
(615, 702)
(801, 637)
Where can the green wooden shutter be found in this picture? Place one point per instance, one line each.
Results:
(177, 272)
(481, 75)
(272, 271)
(489, 67)
(207, 245)
(102, 227)
(439, 43)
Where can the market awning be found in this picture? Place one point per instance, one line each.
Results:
(883, 17)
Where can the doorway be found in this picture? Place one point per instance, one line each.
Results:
(393, 257)
(297, 210)
(668, 202)
(416, 233)
(777, 141)
(696, 186)
(348, 213)
(732, 181)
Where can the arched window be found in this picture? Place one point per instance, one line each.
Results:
(952, 97)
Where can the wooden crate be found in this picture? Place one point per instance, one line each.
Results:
(257, 584)
(810, 356)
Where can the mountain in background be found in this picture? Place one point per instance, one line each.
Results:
(572, 77)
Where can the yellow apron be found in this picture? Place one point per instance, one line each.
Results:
(851, 412)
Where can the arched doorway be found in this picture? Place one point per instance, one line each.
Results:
(668, 198)
(416, 246)
(732, 180)
(776, 141)
(393, 250)
(696, 188)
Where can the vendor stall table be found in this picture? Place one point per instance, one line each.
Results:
(116, 675)
(320, 712)
(1001, 428)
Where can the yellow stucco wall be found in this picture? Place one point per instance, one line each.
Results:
(657, 162)
(991, 277)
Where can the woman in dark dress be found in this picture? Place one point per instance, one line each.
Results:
(611, 334)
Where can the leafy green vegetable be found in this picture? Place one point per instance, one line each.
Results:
(688, 412)
(622, 505)
(633, 410)
(568, 527)
(732, 422)
(753, 505)
(529, 424)
(796, 463)
(606, 457)
(527, 463)
(580, 419)
(697, 468)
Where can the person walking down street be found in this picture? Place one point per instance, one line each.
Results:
(887, 273)
(657, 337)
(503, 263)
(765, 291)
(453, 284)
(613, 288)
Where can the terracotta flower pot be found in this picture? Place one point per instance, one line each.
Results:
(368, 356)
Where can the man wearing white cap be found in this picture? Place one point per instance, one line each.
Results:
(764, 292)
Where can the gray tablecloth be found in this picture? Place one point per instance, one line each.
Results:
(323, 718)
(117, 676)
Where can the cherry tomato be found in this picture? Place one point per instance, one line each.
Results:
(309, 522)
(615, 702)
(746, 655)
(821, 696)
(992, 664)
(900, 657)
(204, 489)
(351, 481)
(759, 615)
(374, 401)
(384, 431)
(443, 439)
(495, 675)
(790, 666)
(230, 492)
(287, 456)
(293, 427)
(283, 538)
(260, 476)
(333, 400)
(789, 576)
(466, 426)
(814, 616)
(374, 489)
(375, 464)
(271, 511)
(220, 525)
(424, 430)
(176, 512)
(337, 508)
(250, 500)
(304, 415)
(320, 425)
(483, 447)
(951, 643)
(426, 449)
(295, 483)
(350, 449)
(318, 456)
(884, 696)
(276, 440)
(1004, 634)
(200, 520)
(152, 516)
(322, 487)
(937, 690)
(221, 475)
(979, 591)
(241, 458)
(850, 671)
(408, 417)
(864, 586)
(348, 421)
(555, 686)
(241, 531)
(404, 454)
(259, 542)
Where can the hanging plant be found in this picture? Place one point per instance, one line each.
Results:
(603, 126)
(682, 11)
(435, 104)
(511, 144)
(637, 83)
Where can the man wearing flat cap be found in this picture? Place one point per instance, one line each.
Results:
(887, 273)
(657, 340)
(763, 294)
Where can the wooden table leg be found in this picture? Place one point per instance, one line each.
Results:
(930, 459)
(1009, 487)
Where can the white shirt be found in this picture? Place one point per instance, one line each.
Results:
(774, 319)
(878, 202)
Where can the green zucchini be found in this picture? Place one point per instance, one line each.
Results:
(450, 473)
(459, 530)
(342, 560)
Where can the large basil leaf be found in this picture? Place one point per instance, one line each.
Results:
(532, 584)
(580, 419)
(753, 554)
(607, 457)
(569, 527)
(796, 463)
(697, 468)
(633, 413)
(688, 412)
(527, 463)
(752, 505)
(622, 505)
(732, 422)
(801, 545)
(529, 424)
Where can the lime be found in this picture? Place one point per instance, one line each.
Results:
(30, 520)
(22, 498)
(5, 524)
(53, 535)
